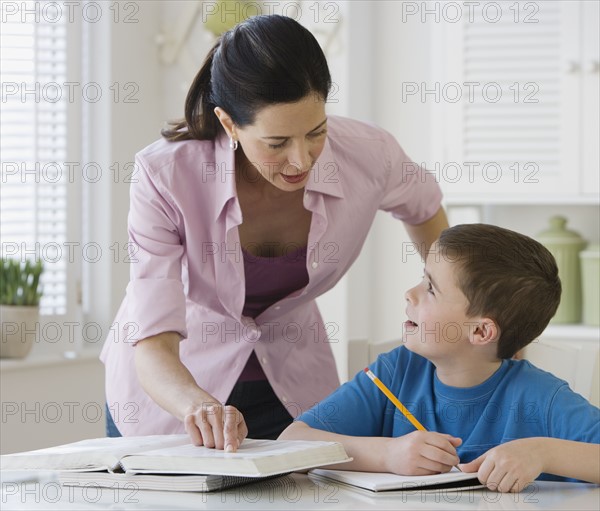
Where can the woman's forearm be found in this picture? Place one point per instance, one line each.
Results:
(165, 378)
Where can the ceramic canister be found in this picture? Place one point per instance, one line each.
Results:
(590, 284)
(565, 245)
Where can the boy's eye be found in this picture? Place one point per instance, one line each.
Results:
(430, 288)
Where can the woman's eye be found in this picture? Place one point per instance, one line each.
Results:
(430, 288)
(318, 134)
(277, 146)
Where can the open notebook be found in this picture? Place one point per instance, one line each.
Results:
(386, 483)
(170, 462)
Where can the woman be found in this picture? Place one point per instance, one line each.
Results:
(242, 215)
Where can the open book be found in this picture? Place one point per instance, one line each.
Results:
(162, 482)
(387, 483)
(171, 462)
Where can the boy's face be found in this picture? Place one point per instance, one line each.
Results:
(437, 326)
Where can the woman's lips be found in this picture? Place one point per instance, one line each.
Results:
(294, 179)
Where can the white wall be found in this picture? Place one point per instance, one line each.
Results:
(124, 54)
(401, 54)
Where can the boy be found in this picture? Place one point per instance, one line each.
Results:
(487, 292)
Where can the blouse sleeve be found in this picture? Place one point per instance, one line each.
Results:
(155, 294)
(412, 194)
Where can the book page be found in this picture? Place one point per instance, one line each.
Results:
(96, 453)
(250, 448)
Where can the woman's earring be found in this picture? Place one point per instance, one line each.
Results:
(233, 144)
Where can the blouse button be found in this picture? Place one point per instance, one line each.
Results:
(277, 307)
(284, 399)
(315, 265)
(264, 360)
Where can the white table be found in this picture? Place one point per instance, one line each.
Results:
(296, 491)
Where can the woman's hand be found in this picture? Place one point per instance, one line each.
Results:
(215, 425)
(421, 453)
(509, 467)
(170, 384)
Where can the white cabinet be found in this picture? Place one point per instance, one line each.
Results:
(590, 71)
(525, 125)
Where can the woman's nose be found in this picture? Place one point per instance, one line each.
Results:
(410, 295)
(300, 157)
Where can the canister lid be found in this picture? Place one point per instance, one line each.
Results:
(558, 233)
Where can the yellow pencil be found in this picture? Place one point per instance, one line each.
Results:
(394, 400)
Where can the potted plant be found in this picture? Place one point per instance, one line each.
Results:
(19, 306)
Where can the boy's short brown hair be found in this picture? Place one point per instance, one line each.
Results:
(506, 276)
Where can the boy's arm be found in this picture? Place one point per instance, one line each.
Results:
(418, 453)
(510, 467)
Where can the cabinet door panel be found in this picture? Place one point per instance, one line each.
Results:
(515, 132)
(591, 97)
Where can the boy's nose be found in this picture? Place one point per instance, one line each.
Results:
(410, 295)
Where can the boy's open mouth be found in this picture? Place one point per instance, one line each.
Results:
(410, 324)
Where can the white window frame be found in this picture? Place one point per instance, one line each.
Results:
(58, 333)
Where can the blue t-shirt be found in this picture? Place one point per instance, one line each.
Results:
(517, 401)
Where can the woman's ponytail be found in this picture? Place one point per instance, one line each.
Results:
(200, 121)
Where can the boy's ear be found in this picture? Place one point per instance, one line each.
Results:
(226, 121)
(484, 331)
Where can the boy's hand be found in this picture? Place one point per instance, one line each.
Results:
(421, 453)
(509, 467)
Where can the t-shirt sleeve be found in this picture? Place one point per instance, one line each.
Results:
(572, 417)
(412, 194)
(358, 407)
(155, 294)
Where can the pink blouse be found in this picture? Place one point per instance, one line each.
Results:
(187, 273)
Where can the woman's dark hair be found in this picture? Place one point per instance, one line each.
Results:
(262, 61)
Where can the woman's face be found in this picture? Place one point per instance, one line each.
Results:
(284, 142)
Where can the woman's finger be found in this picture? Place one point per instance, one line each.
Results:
(189, 422)
(215, 417)
(206, 428)
(232, 417)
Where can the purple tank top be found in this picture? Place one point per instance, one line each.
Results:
(268, 280)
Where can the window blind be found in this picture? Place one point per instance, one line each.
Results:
(35, 179)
